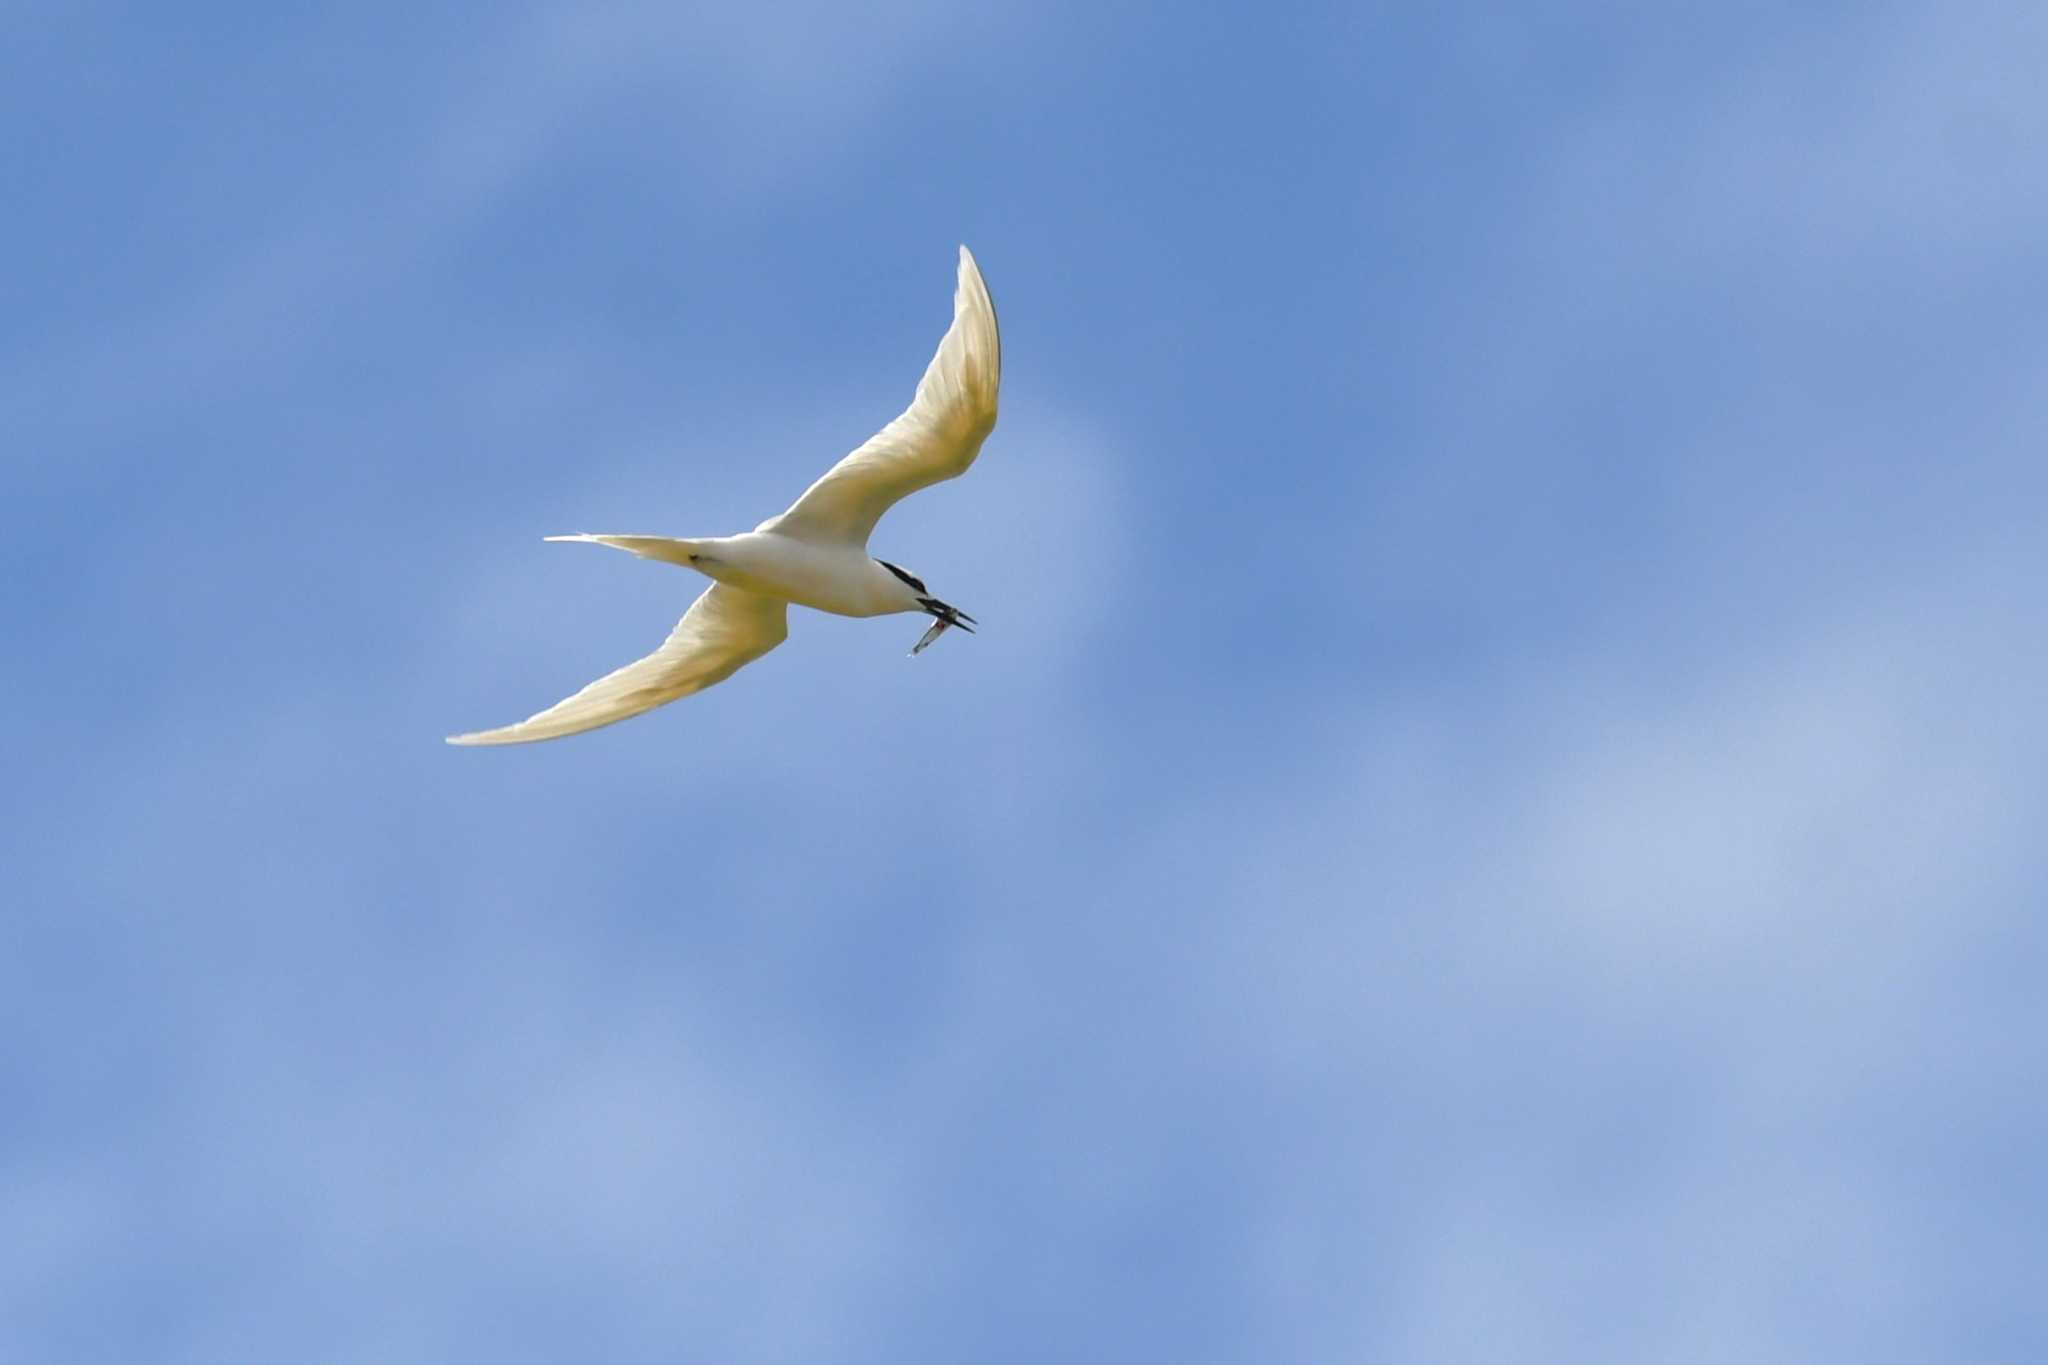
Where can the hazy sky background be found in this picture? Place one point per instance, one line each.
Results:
(1495, 815)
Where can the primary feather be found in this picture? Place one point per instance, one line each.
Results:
(814, 553)
(935, 439)
(723, 631)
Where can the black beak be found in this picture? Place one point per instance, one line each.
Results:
(943, 615)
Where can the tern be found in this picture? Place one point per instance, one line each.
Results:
(815, 554)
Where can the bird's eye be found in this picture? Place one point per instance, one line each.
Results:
(910, 579)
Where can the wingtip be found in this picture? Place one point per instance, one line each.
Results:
(486, 739)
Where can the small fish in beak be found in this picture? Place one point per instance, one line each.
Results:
(943, 616)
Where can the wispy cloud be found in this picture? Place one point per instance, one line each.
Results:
(741, 103)
(1547, 875)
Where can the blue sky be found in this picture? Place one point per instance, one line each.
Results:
(1494, 815)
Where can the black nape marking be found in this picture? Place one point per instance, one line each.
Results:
(915, 583)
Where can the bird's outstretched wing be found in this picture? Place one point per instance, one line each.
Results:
(722, 631)
(935, 439)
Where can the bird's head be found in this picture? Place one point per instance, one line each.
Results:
(914, 596)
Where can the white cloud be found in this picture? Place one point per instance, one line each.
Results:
(745, 98)
(1579, 1003)
(1650, 961)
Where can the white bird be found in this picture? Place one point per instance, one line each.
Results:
(814, 554)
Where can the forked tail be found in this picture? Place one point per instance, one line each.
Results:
(665, 548)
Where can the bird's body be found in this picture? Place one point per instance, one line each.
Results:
(840, 578)
(815, 553)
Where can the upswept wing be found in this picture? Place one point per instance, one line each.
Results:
(723, 630)
(935, 439)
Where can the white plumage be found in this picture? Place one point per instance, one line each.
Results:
(814, 554)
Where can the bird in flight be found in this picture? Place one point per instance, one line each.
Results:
(815, 554)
